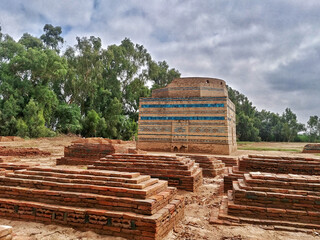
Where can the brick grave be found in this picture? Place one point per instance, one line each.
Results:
(272, 199)
(311, 148)
(5, 232)
(128, 205)
(211, 167)
(272, 164)
(180, 172)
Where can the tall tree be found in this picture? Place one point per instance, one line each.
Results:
(51, 37)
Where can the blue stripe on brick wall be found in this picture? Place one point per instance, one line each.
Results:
(181, 105)
(182, 118)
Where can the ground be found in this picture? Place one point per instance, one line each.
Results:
(199, 205)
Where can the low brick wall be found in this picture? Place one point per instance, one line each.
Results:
(311, 148)
(123, 204)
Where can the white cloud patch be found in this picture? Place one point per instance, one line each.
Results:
(268, 50)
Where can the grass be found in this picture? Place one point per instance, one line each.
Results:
(269, 149)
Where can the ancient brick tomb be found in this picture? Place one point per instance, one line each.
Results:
(277, 199)
(180, 172)
(129, 205)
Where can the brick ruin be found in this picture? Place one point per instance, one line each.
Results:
(5, 232)
(188, 115)
(211, 167)
(311, 148)
(284, 192)
(128, 205)
(180, 172)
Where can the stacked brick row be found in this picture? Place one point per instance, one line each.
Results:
(211, 167)
(128, 205)
(274, 198)
(228, 161)
(272, 164)
(5, 232)
(278, 164)
(180, 172)
(311, 148)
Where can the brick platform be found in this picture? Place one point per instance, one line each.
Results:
(180, 172)
(281, 199)
(311, 148)
(211, 167)
(5, 232)
(129, 205)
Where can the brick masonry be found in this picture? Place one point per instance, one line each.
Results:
(289, 199)
(211, 167)
(311, 148)
(180, 172)
(122, 204)
(188, 115)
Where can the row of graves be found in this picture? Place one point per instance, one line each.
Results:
(123, 192)
(283, 192)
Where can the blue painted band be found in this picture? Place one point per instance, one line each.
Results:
(182, 105)
(182, 118)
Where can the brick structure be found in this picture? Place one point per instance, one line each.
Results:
(86, 150)
(180, 172)
(5, 232)
(311, 148)
(275, 199)
(228, 161)
(271, 164)
(211, 167)
(188, 115)
(128, 205)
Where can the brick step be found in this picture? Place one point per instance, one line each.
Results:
(26, 175)
(86, 188)
(144, 164)
(12, 166)
(312, 217)
(176, 162)
(145, 170)
(280, 161)
(185, 182)
(142, 206)
(282, 157)
(303, 179)
(145, 156)
(273, 199)
(224, 218)
(282, 184)
(232, 175)
(87, 175)
(121, 224)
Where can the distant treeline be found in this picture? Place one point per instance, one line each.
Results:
(93, 91)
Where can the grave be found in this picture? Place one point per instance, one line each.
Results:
(311, 148)
(123, 204)
(180, 172)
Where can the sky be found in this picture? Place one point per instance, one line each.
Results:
(268, 50)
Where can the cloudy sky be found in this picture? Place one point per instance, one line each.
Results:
(269, 50)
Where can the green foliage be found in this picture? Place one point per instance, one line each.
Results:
(67, 118)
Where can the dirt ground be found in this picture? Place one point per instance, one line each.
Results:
(198, 205)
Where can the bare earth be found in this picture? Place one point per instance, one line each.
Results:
(198, 205)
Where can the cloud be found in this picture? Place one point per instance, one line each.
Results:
(268, 50)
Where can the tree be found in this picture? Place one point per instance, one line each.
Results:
(160, 74)
(51, 37)
(67, 118)
(313, 126)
